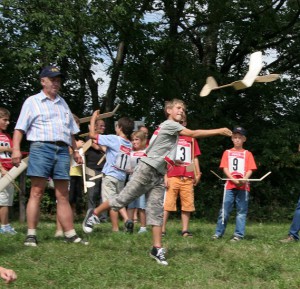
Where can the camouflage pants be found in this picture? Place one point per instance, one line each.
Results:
(144, 180)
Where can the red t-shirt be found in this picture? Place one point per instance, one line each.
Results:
(5, 157)
(184, 154)
(238, 162)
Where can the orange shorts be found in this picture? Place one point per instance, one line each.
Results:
(183, 187)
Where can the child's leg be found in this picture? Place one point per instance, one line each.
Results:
(242, 200)
(156, 236)
(4, 215)
(225, 212)
(130, 213)
(171, 195)
(165, 220)
(185, 218)
(142, 214)
(114, 218)
(187, 203)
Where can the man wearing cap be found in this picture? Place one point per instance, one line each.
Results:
(50, 127)
(237, 163)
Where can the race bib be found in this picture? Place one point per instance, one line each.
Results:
(184, 152)
(135, 157)
(236, 162)
(123, 158)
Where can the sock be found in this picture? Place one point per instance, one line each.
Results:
(31, 232)
(70, 234)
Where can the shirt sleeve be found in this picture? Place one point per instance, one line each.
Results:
(25, 117)
(224, 160)
(250, 162)
(197, 151)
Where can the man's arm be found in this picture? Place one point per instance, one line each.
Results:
(199, 133)
(16, 152)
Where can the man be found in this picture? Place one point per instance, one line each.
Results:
(94, 155)
(50, 127)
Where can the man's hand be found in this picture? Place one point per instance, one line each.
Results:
(16, 157)
(225, 131)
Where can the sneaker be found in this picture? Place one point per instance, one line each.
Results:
(8, 229)
(159, 255)
(142, 230)
(129, 225)
(289, 239)
(75, 239)
(89, 221)
(31, 241)
(235, 239)
(215, 237)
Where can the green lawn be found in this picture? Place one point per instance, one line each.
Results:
(118, 260)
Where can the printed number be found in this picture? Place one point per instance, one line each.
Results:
(235, 163)
(123, 163)
(182, 158)
(137, 160)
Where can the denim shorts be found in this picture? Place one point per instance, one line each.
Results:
(49, 160)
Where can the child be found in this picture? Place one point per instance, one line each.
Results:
(148, 176)
(7, 195)
(118, 148)
(139, 141)
(237, 163)
(179, 181)
(75, 185)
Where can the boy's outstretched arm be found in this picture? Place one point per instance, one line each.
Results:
(93, 119)
(199, 133)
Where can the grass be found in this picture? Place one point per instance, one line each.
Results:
(118, 260)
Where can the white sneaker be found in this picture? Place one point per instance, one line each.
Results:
(159, 255)
(89, 221)
(142, 230)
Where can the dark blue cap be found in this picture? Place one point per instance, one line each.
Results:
(50, 71)
(240, 130)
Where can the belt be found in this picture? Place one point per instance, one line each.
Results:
(57, 143)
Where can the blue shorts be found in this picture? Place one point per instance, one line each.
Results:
(139, 203)
(48, 160)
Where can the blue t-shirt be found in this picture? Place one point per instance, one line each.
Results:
(117, 155)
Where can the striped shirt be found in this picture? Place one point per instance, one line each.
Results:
(43, 119)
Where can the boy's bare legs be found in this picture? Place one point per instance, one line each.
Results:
(124, 214)
(114, 218)
(101, 208)
(4, 215)
(165, 220)
(130, 213)
(156, 236)
(185, 218)
(142, 214)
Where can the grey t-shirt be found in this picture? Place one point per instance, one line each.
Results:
(163, 144)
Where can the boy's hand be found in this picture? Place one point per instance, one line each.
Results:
(96, 113)
(225, 131)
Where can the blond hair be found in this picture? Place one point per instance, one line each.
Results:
(171, 103)
(140, 135)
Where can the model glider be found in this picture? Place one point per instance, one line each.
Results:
(101, 116)
(252, 76)
(248, 180)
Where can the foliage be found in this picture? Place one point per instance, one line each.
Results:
(152, 51)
